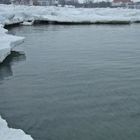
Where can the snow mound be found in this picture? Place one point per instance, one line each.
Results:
(7, 133)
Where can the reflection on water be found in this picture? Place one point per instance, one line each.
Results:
(6, 66)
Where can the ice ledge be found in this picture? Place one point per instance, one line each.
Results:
(7, 133)
(7, 43)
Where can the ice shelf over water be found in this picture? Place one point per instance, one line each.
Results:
(7, 43)
(7, 133)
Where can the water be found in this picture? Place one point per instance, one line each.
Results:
(74, 83)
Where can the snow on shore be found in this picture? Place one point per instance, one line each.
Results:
(7, 133)
(10, 13)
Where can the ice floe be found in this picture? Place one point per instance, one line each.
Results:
(7, 133)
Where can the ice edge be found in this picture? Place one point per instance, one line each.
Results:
(8, 42)
(7, 133)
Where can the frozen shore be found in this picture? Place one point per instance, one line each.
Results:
(10, 14)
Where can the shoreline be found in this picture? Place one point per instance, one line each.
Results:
(11, 16)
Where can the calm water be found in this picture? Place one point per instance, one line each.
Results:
(74, 83)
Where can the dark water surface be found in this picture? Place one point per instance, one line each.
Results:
(74, 83)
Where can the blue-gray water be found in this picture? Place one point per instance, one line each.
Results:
(74, 83)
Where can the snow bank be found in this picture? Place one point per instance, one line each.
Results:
(7, 133)
(9, 13)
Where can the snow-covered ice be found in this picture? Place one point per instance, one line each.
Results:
(7, 133)
(10, 13)
(7, 43)
(27, 23)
